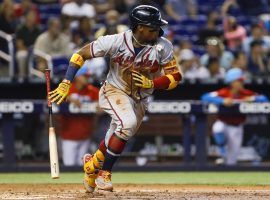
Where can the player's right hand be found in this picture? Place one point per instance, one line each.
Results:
(141, 80)
(60, 93)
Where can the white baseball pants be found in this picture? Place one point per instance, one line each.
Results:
(234, 138)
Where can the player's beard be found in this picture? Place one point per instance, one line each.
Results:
(152, 41)
(145, 41)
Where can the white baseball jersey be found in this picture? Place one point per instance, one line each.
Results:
(120, 49)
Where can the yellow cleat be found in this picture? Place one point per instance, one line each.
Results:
(89, 176)
(91, 166)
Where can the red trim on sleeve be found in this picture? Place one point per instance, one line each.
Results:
(163, 82)
(92, 50)
(125, 39)
(177, 76)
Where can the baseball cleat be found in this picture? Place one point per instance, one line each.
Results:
(89, 178)
(89, 182)
(103, 181)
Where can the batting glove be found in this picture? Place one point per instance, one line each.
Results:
(60, 93)
(141, 80)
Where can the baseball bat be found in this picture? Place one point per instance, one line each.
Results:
(52, 136)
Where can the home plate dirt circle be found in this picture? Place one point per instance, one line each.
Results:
(135, 192)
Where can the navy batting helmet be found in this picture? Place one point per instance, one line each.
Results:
(146, 15)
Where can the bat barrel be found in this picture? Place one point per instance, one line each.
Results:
(53, 154)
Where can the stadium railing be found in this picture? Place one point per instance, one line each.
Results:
(10, 56)
(31, 64)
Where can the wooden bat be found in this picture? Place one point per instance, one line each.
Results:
(52, 137)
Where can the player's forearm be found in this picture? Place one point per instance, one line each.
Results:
(212, 98)
(168, 82)
(260, 98)
(76, 62)
(173, 75)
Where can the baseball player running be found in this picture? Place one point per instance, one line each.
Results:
(140, 61)
(228, 129)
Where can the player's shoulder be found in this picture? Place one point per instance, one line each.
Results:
(247, 92)
(225, 92)
(115, 38)
(92, 88)
(117, 35)
(164, 43)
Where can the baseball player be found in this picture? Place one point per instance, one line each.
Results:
(228, 129)
(140, 61)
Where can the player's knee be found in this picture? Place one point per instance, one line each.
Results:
(218, 133)
(130, 121)
(128, 129)
(218, 127)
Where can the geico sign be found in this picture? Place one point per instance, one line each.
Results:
(16, 107)
(85, 108)
(169, 107)
(254, 107)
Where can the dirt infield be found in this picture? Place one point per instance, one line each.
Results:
(134, 192)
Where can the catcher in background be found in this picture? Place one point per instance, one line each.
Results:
(228, 129)
(140, 61)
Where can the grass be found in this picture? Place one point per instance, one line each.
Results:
(200, 178)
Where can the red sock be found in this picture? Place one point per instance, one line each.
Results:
(116, 144)
(115, 147)
(102, 147)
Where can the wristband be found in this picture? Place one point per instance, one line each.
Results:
(77, 59)
(167, 82)
(71, 72)
(173, 82)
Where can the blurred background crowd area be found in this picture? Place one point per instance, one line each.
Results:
(209, 36)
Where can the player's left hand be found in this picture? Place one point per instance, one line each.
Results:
(60, 93)
(141, 80)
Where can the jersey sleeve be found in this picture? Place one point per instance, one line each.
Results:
(166, 49)
(212, 97)
(104, 46)
(169, 65)
(260, 98)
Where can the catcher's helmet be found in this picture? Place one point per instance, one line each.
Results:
(146, 15)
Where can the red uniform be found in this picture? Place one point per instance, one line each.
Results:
(79, 127)
(226, 93)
